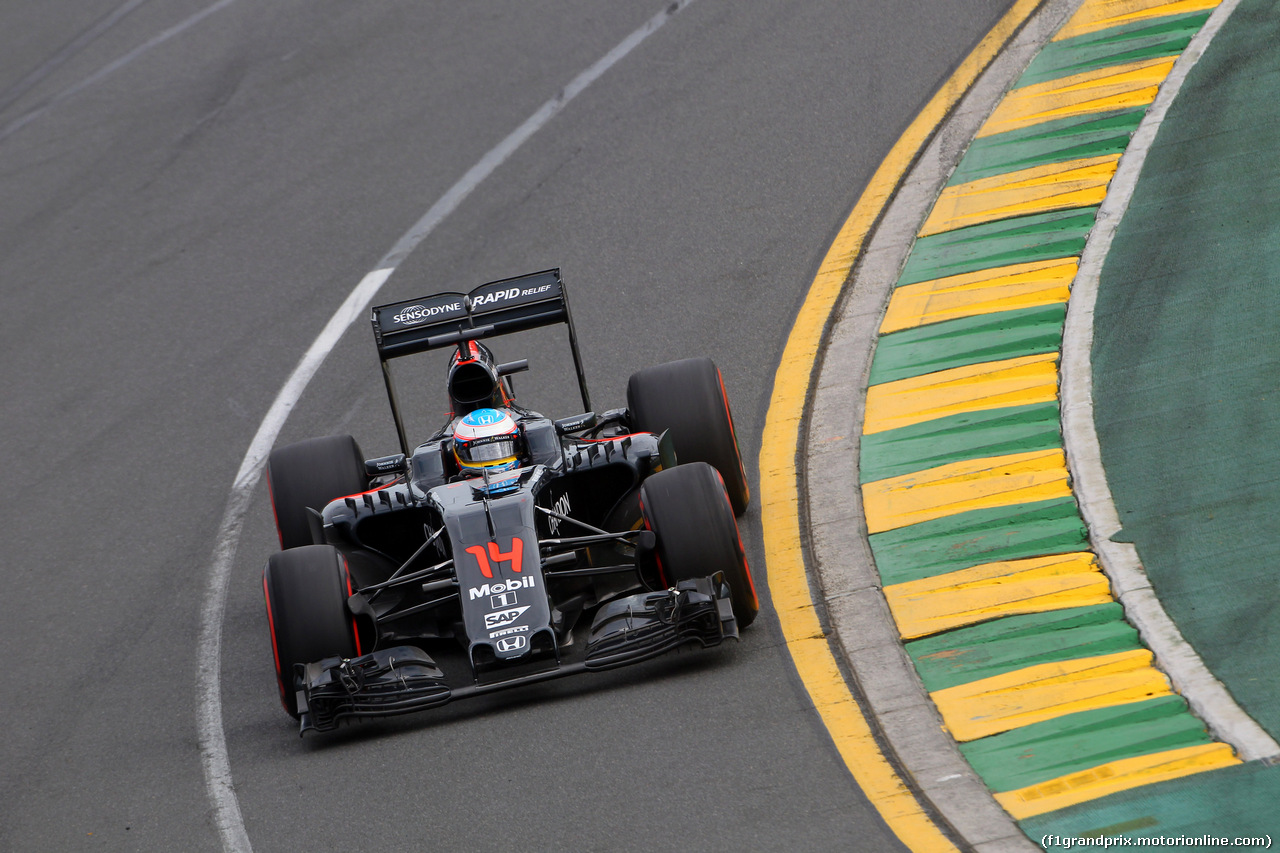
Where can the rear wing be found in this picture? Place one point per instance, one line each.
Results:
(447, 319)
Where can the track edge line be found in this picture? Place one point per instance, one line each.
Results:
(795, 394)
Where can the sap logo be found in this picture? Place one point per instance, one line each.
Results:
(511, 644)
(503, 617)
(418, 313)
(495, 588)
(518, 629)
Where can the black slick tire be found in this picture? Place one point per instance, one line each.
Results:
(696, 535)
(306, 590)
(688, 398)
(310, 474)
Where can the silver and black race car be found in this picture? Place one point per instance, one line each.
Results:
(512, 547)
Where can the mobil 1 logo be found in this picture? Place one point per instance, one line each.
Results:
(503, 600)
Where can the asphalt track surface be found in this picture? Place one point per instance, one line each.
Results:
(173, 236)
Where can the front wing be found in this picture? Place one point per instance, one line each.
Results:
(405, 679)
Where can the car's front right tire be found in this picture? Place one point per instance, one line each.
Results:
(696, 534)
(309, 474)
(688, 399)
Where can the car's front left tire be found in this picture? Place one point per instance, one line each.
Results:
(306, 590)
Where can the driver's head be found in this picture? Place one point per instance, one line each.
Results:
(485, 440)
(473, 378)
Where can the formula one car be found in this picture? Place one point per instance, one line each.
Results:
(512, 547)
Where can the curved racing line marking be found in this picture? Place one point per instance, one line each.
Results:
(779, 494)
(109, 69)
(73, 48)
(212, 737)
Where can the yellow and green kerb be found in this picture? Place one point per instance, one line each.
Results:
(983, 555)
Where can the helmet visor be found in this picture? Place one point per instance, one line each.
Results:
(486, 451)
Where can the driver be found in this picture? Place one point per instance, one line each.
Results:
(485, 441)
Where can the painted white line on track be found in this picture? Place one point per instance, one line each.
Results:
(9, 96)
(212, 737)
(110, 68)
(1207, 696)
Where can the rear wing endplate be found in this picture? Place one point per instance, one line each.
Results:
(447, 319)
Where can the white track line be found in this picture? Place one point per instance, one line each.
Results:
(1207, 696)
(212, 737)
(53, 63)
(109, 69)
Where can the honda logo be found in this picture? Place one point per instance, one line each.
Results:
(511, 644)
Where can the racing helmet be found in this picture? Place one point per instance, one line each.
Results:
(485, 440)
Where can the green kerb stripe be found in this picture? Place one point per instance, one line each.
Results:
(1115, 46)
(1022, 239)
(1017, 642)
(1076, 742)
(980, 536)
(972, 435)
(1057, 141)
(968, 340)
(1080, 742)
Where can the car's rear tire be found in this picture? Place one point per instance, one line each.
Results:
(688, 398)
(696, 535)
(306, 590)
(310, 474)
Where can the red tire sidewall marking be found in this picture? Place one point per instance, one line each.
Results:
(742, 551)
(724, 395)
(662, 573)
(275, 516)
(275, 649)
(355, 629)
